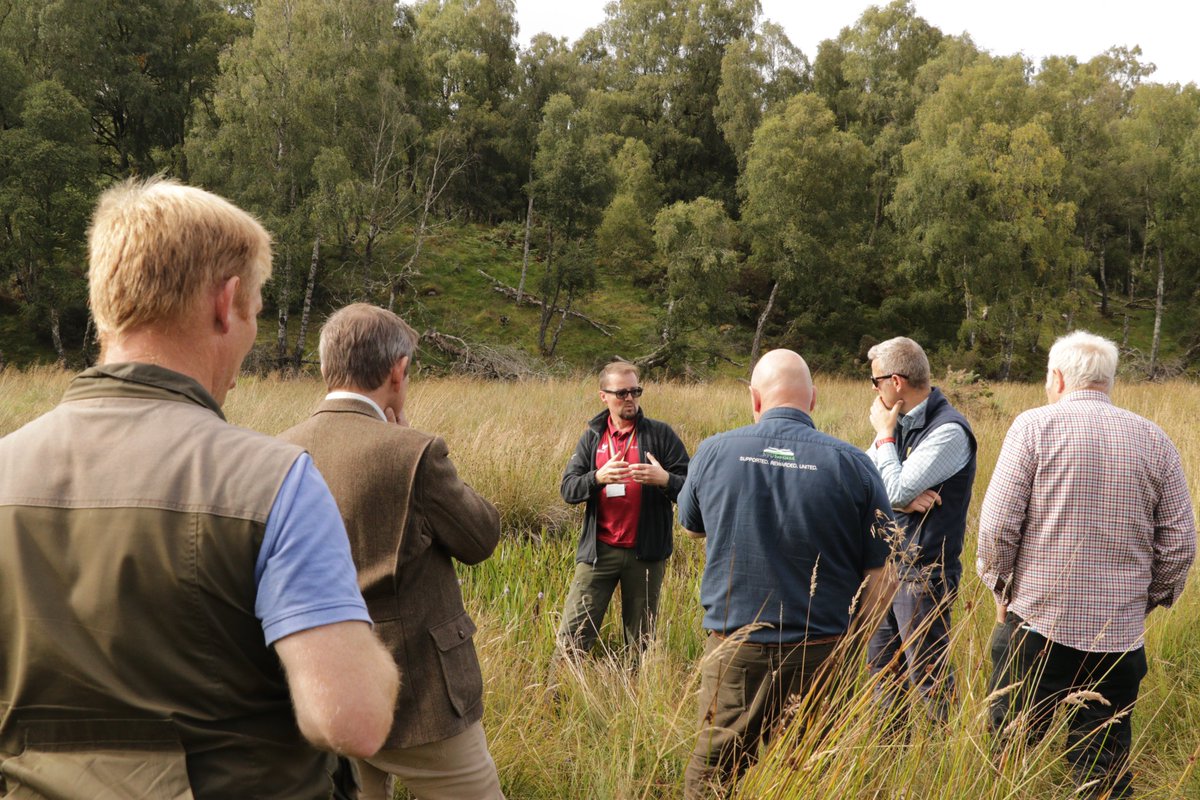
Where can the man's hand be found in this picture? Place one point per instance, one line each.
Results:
(883, 419)
(923, 502)
(652, 474)
(394, 418)
(1001, 611)
(614, 471)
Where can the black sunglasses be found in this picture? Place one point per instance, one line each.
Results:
(875, 380)
(623, 393)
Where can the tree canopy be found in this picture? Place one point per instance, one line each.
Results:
(682, 154)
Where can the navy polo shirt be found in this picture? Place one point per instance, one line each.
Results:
(780, 501)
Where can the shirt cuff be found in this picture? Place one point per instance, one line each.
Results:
(1000, 587)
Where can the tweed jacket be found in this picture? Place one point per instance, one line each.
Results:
(408, 516)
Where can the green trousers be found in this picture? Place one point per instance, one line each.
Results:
(592, 589)
(745, 691)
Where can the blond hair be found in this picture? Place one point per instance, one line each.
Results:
(155, 246)
(360, 344)
(617, 368)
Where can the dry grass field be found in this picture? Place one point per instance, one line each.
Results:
(612, 732)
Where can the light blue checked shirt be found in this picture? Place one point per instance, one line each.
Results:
(939, 456)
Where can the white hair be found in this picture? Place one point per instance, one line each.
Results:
(1084, 359)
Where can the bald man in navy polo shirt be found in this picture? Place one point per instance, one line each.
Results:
(791, 519)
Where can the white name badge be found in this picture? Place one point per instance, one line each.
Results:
(614, 490)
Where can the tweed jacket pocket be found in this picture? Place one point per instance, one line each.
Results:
(460, 666)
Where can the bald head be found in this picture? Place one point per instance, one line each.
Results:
(781, 379)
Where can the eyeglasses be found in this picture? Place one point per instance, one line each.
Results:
(876, 379)
(623, 393)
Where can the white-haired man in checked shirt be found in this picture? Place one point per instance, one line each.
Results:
(1086, 527)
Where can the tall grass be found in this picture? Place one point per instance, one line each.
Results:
(602, 729)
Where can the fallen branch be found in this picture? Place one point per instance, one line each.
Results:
(480, 360)
(529, 299)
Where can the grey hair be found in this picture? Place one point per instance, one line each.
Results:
(1084, 359)
(902, 356)
(360, 344)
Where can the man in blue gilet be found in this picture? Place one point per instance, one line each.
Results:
(925, 452)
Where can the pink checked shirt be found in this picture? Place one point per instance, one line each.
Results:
(1087, 524)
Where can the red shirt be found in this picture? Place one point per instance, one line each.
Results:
(617, 517)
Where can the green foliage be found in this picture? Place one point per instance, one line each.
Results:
(47, 166)
(906, 183)
(697, 244)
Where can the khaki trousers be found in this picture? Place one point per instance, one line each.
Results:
(458, 768)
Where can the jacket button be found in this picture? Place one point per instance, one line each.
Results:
(461, 634)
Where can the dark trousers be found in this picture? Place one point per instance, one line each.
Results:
(1099, 735)
(745, 691)
(912, 646)
(592, 589)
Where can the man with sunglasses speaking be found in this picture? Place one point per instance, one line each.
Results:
(925, 452)
(628, 469)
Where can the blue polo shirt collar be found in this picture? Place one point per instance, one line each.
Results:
(787, 413)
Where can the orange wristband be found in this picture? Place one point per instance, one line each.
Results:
(885, 440)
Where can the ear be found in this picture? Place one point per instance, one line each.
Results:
(812, 401)
(755, 401)
(399, 373)
(223, 306)
(1060, 383)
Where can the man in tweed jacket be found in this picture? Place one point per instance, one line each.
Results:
(408, 516)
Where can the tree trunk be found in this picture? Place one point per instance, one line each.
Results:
(1009, 336)
(85, 348)
(525, 257)
(547, 313)
(1158, 314)
(548, 307)
(762, 322)
(1103, 278)
(298, 353)
(56, 337)
(562, 319)
(967, 304)
(282, 302)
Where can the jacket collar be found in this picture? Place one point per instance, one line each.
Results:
(599, 422)
(133, 379)
(347, 405)
(361, 399)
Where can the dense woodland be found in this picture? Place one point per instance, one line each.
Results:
(899, 180)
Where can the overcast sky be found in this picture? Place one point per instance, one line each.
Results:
(1166, 30)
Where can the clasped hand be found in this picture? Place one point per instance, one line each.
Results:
(620, 471)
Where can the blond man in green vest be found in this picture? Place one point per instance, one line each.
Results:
(177, 599)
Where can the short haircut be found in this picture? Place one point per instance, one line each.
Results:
(156, 246)
(617, 368)
(902, 356)
(360, 344)
(1084, 359)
